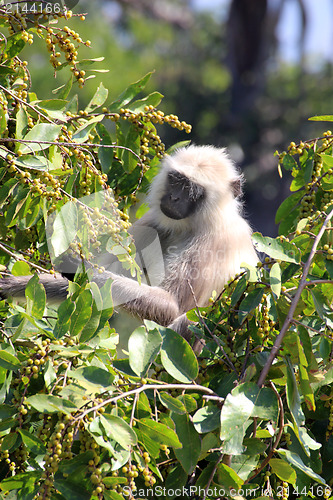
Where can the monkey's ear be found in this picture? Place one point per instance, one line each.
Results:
(236, 186)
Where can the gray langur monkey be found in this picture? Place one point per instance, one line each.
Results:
(196, 212)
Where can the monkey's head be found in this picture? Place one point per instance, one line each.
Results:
(193, 184)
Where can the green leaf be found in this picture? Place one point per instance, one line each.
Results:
(64, 229)
(307, 165)
(283, 470)
(322, 118)
(238, 291)
(50, 374)
(6, 189)
(98, 99)
(177, 145)
(159, 433)
(71, 489)
(5, 70)
(72, 465)
(297, 462)
(244, 403)
(13, 46)
(18, 203)
(275, 279)
(63, 91)
(207, 419)
(228, 477)
(171, 403)
(21, 268)
(304, 381)
(327, 179)
(153, 99)
(21, 123)
(293, 397)
(287, 206)
(36, 297)
(323, 309)
(176, 478)
(112, 495)
(82, 313)
(82, 133)
(55, 108)
(3, 120)
(189, 454)
(298, 181)
(289, 162)
(282, 250)
(47, 403)
(93, 376)
(143, 347)
(9, 442)
(20, 480)
(119, 430)
(33, 443)
(189, 402)
(9, 361)
(65, 312)
(6, 411)
(250, 302)
(129, 137)
(105, 154)
(130, 93)
(91, 327)
(40, 132)
(177, 356)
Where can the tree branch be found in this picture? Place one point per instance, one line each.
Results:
(303, 283)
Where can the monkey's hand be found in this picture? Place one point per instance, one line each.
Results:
(146, 302)
(180, 325)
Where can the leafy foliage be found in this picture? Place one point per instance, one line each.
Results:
(253, 416)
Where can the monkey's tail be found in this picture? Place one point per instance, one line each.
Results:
(14, 286)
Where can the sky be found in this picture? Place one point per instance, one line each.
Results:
(319, 35)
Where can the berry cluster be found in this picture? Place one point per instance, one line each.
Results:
(285, 490)
(58, 446)
(329, 430)
(265, 324)
(65, 41)
(58, 40)
(149, 138)
(313, 207)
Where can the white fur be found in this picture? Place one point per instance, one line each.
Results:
(200, 253)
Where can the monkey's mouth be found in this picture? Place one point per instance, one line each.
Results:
(172, 213)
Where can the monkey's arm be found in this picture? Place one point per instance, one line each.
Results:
(144, 301)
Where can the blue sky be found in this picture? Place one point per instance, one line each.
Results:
(319, 35)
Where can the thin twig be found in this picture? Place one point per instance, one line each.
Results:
(138, 390)
(17, 257)
(136, 397)
(211, 477)
(302, 284)
(277, 440)
(14, 96)
(319, 282)
(227, 360)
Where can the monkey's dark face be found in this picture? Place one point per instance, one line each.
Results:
(182, 197)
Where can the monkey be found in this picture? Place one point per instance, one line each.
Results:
(196, 213)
